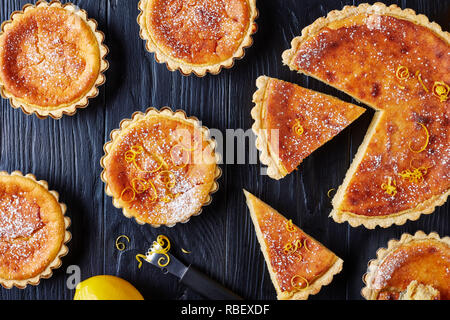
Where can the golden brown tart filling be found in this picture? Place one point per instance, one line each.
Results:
(197, 33)
(160, 167)
(32, 230)
(398, 63)
(298, 264)
(50, 59)
(414, 266)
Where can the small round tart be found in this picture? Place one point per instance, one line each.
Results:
(160, 167)
(414, 267)
(33, 230)
(197, 36)
(51, 59)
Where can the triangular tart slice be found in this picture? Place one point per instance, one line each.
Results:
(291, 122)
(298, 264)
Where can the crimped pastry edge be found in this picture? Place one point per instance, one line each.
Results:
(275, 169)
(70, 109)
(371, 293)
(56, 262)
(168, 112)
(185, 68)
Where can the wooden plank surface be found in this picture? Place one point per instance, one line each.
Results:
(66, 153)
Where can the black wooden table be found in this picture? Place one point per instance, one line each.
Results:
(67, 152)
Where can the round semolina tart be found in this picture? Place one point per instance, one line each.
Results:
(33, 230)
(52, 59)
(197, 36)
(160, 167)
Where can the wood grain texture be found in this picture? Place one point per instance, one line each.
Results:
(66, 153)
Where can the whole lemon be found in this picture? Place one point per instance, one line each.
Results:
(106, 287)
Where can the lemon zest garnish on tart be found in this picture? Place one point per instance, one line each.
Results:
(402, 73)
(297, 128)
(305, 245)
(168, 180)
(124, 191)
(290, 226)
(292, 247)
(172, 157)
(441, 90)
(427, 139)
(414, 176)
(139, 185)
(419, 78)
(185, 251)
(389, 188)
(120, 245)
(328, 193)
(130, 157)
(295, 284)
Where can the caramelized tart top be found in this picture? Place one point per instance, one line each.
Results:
(49, 57)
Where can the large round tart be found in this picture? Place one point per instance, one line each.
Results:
(32, 230)
(160, 167)
(197, 36)
(398, 63)
(412, 268)
(51, 59)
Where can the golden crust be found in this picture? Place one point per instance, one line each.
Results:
(185, 68)
(333, 18)
(371, 293)
(164, 113)
(63, 250)
(275, 168)
(313, 287)
(80, 101)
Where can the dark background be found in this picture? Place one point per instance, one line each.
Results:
(67, 152)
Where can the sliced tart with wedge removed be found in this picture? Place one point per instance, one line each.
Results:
(291, 122)
(298, 264)
(398, 63)
(416, 267)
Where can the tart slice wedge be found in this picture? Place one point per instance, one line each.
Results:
(291, 122)
(298, 264)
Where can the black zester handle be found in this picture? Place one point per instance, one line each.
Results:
(207, 287)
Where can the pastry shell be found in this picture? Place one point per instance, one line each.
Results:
(165, 111)
(370, 293)
(56, 262)
(186, 68)
(69, 109)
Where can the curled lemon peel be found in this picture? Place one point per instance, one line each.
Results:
(161, 246)
(139, 257)
(290, 226)
(292, 247)
(297, 128)
(390, 188)
(139, 185)
(185, 251)
(441, 90)
(169, 180)
(131, 154)
(305, 245)
(124, 191)
(419, 78)
(120, 245)
(295, 284)
(415, 176)
(427, 139)
(402, 73)
(329, 191)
